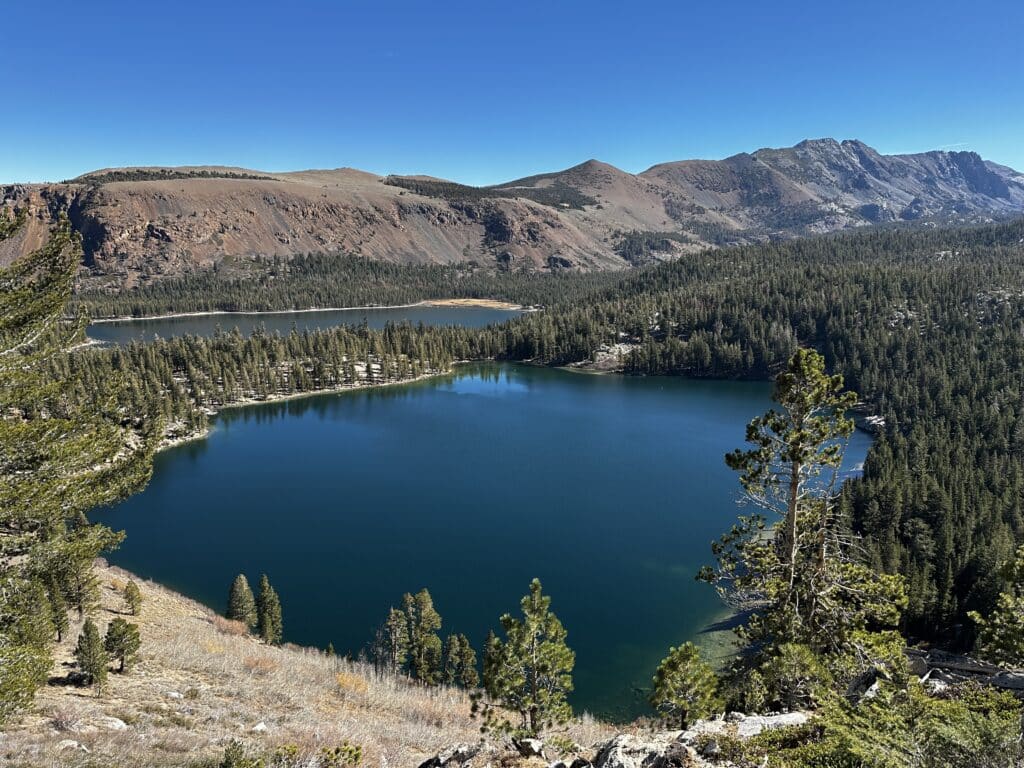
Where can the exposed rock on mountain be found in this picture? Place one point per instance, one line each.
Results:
(139, 224)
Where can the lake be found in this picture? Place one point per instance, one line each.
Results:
(609, 489)
(147, 329)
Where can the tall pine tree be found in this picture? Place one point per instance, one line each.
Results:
(459, 666)
(122, 643)
(269, 621)
(530, 672)
(242, 603)
(793, 565)
(133, 598)
(92, 656)
(425, 649)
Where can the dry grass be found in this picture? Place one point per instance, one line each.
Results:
(259, 665)
(351, 683)
(199, 684)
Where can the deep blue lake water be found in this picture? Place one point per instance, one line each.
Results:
(147, 329)
(609, 489)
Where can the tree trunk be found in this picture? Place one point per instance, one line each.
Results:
(794, 496)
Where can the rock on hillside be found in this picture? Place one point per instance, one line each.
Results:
(700, 746)
(140, 224)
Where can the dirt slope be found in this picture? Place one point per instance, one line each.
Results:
(197, 687)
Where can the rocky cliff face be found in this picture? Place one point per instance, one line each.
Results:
(134, 231)
(142, 224)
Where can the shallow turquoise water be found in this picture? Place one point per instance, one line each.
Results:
(609, 489)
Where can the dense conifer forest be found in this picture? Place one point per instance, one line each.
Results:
(334, 280)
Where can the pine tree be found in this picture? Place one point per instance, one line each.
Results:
(794, 564)
(91, 656)
(25, 657)
(390, 647)
(330, 649)
(685, 687)
(122, 642)
(1001, 633)
(459, 666)
(493, 651)
(242, 603)
(451, 666)
(35, 625)
(133, 598)
(425, 649)
(530, 672)
(469, 678)
(61, 455)
(269, 622)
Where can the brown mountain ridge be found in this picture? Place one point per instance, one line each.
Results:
(140, 224)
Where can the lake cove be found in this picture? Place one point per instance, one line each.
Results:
(147, 329)
(609, 489)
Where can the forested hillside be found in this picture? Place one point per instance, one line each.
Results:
(334, 280)
(926, 326)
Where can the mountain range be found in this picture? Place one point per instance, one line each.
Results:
(140, 224)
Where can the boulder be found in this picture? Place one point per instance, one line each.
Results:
(113, 724)
(756, 724)
(459, 754)
(260, 727)
(529, 747)
(713, 727)
(629, 751)
(1008, 681)
(578, 762)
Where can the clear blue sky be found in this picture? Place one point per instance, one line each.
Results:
(485, 91)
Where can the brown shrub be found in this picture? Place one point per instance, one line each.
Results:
(230, 626)
(352, 683)
(65, 718)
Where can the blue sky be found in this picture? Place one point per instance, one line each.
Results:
(484, 91)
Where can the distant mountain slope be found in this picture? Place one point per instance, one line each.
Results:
(139, 224)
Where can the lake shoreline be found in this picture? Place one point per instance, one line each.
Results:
(468, 303)
(167, 444)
